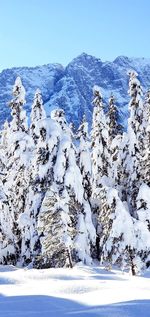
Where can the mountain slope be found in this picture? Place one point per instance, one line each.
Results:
(43, 77)
(71, 88)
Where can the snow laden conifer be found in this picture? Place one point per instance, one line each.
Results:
(114, 128)
(71, 232)
(41, 178)
(18, 149)
(53, 227)
(124, 240)
(99, 156)
(84, 157)
(7, 243)
(37, 113)
(4, 150)
(145, 155)
(99, 140)
(143, 197)
(84, 162)
(135, 140)
(114, 142)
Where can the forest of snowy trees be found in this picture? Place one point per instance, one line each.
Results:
(68, 196)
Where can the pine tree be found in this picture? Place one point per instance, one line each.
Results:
(59, 116)
(145, 156)
(68, 191)
(37, 113)
(114, 128)
(84, 163)
(99, 140)
(41, 178)
(123, 239)
(53, 227)
(99, 158)
(85, 157)
(143, 200)
(114, 143)
(135, 143)
(16, 183)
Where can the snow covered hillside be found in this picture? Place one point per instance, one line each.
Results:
(81, 291)
(70, 88)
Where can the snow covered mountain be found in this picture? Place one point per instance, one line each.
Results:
(71, 88)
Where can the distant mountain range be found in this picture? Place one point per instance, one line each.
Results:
(71, 87)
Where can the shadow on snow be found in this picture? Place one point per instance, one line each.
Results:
(48, 306)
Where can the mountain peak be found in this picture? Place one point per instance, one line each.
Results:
(71, 88)
(121, 60)
(85, 57)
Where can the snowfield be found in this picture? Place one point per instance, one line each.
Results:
(81, 291)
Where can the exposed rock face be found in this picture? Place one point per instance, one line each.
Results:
(71, 88)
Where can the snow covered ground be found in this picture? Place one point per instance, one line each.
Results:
(77, 292)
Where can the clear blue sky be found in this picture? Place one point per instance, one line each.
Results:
(34, 32)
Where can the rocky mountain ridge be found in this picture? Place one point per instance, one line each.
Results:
(71, 87)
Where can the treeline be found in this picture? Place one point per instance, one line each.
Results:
(68, 196)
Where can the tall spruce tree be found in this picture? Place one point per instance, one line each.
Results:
(69, 226)
(99, 156)
(135, 141)
(114, 142)
(143, 197)
(114, 128)
(41, 178)
(18, 149)
(37, 113)
(99, 140)
(84, 157)
(84, 162)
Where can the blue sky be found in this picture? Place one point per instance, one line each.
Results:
(34, 32)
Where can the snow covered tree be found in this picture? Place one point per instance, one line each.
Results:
(59, 116)
(84, 157)
(114, 128)
(41, 178)
(123, 239)
(37, 113)
(143, 197)
(99, 157)
(53, 228)
(16, 183)
(4, 147)
(114, 143)
(84, 163)
(7, 238)
(145, 155)
(135, 143)
(69, 204)
(19, 119)
(99, 140)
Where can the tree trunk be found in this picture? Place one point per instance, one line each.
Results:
(69, 258)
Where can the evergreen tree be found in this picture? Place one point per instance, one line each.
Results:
(68, 191)
(16, 183)
(99, 140)
(59, 116)
(145, 157)
(41, 178)
(114, 128)
(84, 162)
(143, 197)
(135, 142)
(85, 157)
(37, 113)
(114, 143)
(53, 227)
(99, 158)
(123, 239)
